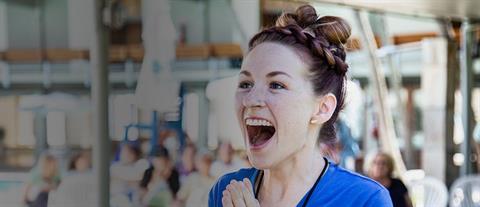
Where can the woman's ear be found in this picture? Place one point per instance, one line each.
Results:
(325, 107)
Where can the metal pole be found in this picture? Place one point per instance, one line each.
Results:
(206, 20)
(396, 87)
(155, 131)
(387, 132)
(451, 170)
(99, 94)
(466, 82)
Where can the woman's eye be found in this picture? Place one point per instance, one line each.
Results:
(245, 85)
(276, 85)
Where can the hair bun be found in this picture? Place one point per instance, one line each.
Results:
(286, 19)
(306, 15)
(335, 29)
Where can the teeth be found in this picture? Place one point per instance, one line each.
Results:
(258, 122)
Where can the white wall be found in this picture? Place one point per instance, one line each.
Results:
(191, 14)
(79, 129)
(56, 23)
(434, 83)
(221, 21)
(184, 12)
(3, 26)
(248, 14)
(397, 24)
(24, 24)
(80, 23)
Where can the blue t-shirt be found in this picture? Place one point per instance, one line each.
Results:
(338, 187)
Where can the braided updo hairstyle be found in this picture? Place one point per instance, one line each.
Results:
(320, 42)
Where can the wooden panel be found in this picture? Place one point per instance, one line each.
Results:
(229, 50)
(133, 7)
(416, 37)
(133, 33)
(193, 51)
(118, 53)
(136, 52)
(23, 55)
(60, 54)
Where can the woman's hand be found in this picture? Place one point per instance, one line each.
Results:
(239, 194)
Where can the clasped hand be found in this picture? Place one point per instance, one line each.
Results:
(239, 194)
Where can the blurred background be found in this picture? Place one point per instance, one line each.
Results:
(130, 102)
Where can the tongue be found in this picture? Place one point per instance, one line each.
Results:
(261, 138)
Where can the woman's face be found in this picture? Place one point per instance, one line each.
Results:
(127, 156)
(274, 104)
(160, 163)
(188, 158)
(380, 167)
(225, 153)
(82, 163)
(203, 166)
(49, 168)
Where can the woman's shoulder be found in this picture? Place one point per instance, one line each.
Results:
(355, 182)
(396, 181)
(342, 187)
(397, 184)
(346, 177)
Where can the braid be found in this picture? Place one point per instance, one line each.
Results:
(319, 46)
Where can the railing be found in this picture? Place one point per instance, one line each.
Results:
(69, 66)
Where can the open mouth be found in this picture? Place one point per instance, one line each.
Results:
(259, 131)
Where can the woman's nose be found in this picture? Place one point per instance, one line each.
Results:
(254, 98)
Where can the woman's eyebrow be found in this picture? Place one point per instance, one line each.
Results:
(245, 73)
(275, 73)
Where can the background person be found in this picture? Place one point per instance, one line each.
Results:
(381, 170)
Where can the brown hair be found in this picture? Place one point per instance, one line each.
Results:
(73, 160)
(388, 161)
(320, 42)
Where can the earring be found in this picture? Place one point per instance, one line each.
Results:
(313, 121)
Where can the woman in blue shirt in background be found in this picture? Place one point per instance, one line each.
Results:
(291, 88)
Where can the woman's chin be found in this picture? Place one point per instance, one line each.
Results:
(261, 162)
(261, 156)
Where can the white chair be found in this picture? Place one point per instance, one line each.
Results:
(75, 191)
(428, 192)
(465, 192)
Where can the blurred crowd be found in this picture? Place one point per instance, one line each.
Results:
(153, 178)
(162, 176)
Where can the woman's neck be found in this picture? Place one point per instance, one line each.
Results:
(292, 178)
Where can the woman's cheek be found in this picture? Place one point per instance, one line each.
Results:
(238, 104)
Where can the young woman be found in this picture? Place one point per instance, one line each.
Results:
(194, 191)
(160, 182)
(80, 162)
(290, 91)
(381, 170)
(45, 178)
